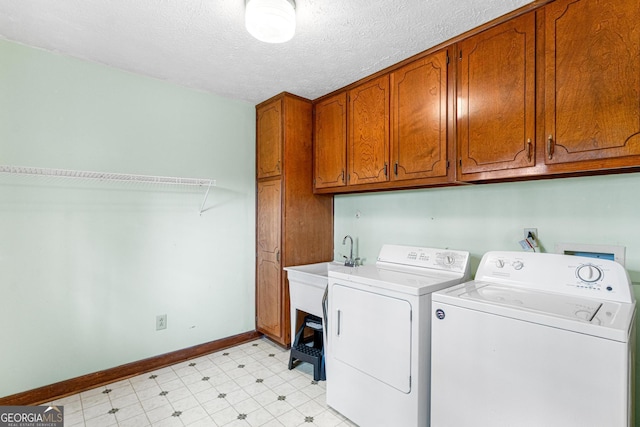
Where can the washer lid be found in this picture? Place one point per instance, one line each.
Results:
(557, 305)
(600, 318)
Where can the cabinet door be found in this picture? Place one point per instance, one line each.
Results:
(269, 139)
(269, 274)
(330, 142)
(592, 80)
(496, 103)
(419, 118)
(369, 132)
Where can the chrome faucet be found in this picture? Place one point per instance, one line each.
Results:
(349, 262)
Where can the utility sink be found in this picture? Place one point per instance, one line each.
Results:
(307, 284)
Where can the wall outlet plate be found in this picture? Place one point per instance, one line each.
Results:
(534, 233)
(161, 322)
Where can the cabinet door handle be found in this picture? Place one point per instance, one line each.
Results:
(278, 256)
(395, 169)
(342, 176)
(550, 146)
(385, 169)
(338, 323)
(529, 149)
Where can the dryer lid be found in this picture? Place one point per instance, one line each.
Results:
(396, 281)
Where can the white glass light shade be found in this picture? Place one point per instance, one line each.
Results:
(271, 21)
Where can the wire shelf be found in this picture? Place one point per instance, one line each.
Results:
(205, 183)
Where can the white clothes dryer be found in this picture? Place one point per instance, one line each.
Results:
(535, 340)
(378, 341)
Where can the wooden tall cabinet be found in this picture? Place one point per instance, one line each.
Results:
(269, 293)
(496, 98)
(591, 83)
(294, 226)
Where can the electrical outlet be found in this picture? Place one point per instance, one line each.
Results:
(161, 322)
(534, 233)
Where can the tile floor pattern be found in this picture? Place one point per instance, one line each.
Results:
(247, 385)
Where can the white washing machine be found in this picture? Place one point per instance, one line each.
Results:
(535, 340)
(378, 344)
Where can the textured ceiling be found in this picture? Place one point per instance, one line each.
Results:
(204, 45)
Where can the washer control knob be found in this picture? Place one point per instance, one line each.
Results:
(449, 260)
(518, 265)
(499, 263)
(589, 273)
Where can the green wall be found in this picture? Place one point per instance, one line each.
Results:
(480, 218)
(85, 267)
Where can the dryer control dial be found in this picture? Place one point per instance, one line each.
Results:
(450, 261)
(518, 265)
(589, 273)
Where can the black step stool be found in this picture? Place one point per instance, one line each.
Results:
(314, 353)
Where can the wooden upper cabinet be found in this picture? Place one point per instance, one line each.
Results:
(550, 89)
(269, 139)
(419, 118)
(496, 98)
(592, 82)
(368, 124)
(330, 142)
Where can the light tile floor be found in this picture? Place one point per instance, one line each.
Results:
(246, 385)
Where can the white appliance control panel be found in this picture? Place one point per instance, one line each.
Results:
(567, 274)
(412, 256)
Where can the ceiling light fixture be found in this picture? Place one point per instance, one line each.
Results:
(271, 21)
